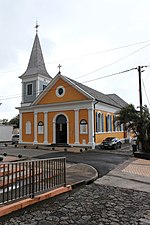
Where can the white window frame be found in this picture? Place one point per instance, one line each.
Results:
(40, 127)
(102, 123)
(83, 127)
(109, 123)
(57, 91)
(99, 122)
(28, 127)
(27, 89)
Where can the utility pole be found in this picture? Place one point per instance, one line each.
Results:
(140, 90)
(141, 108)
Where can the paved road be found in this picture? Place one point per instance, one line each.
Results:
(103, 161)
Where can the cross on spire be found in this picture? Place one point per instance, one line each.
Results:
(59, 66)
(36, 26)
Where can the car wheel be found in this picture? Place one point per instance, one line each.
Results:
(115, 147)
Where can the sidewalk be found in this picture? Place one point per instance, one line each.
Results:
(133, 174)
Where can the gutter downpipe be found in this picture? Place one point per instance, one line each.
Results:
(97, 101)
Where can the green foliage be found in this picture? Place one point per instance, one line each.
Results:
(136, 123)
(4, 121)
(15, 121)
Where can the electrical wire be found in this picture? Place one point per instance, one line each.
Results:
(114, 74)
(99, 52)
(102, 77)
(113, 62)
(146, 92)
(85, 55)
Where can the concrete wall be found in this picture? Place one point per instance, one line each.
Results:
(6, 133)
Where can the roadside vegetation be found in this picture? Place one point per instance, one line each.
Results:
(136, 123)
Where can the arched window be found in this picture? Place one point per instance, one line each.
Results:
(109, 123)
(40, 127)
(28, 127)
(83, 127)
(102, 122)
(61, 119)
(99, 122)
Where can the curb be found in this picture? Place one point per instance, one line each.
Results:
(7, 209)
(90, 174)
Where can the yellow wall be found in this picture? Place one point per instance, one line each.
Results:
(101, 136)
(83, 114)
(29, 116)
(71, 94)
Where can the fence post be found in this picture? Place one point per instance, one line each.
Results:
(32, 183)
(65, 182)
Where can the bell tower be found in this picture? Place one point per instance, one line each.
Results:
(36, 77)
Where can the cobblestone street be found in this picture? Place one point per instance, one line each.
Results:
(92, 204)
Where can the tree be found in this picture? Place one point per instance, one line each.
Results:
(15, 121)
(139, 125)
(4, 121)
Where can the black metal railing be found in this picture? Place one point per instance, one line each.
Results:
(28, 178)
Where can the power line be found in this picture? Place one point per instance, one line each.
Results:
(100, 52)
(89, 54)
(146, 93)
(114, 74)
(102, 77)
(113, 62)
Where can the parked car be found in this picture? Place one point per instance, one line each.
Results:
(111, 143)
(15, 139)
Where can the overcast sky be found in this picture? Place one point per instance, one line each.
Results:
(89, 38)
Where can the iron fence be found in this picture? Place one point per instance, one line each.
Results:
(28, 178)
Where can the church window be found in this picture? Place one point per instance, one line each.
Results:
(99, 122)
(109, 123)
(60, 91)
(40, 127)
(28, 127)
(44, 86)
(83, 127)
(29, 89)
(102, 122)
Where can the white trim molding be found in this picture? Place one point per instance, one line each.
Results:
(20, 128)
(45, 128)
(91, 127)
(76, 126)
(35, 128)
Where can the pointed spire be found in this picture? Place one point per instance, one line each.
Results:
(36, 63)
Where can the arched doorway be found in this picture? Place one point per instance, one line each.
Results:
(61, 129)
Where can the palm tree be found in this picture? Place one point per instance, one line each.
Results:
(140, 126)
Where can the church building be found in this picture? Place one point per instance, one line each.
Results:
(62, 111)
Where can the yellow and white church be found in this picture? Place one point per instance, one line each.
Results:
(62, 111)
